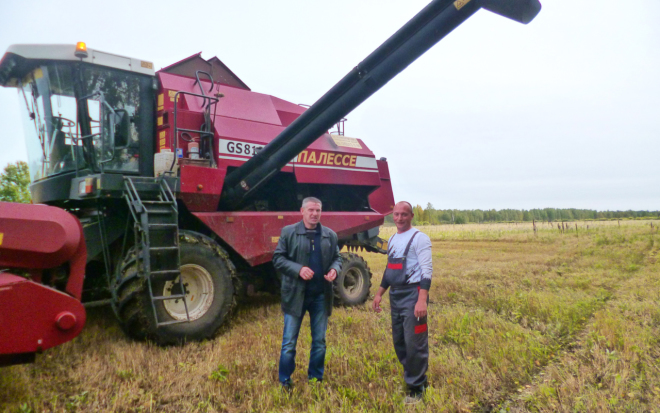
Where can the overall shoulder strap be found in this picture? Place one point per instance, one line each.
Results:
(389, 244)
(405, 254)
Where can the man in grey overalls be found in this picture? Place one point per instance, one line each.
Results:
(408, 275)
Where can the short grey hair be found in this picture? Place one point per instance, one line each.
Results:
(311, 199)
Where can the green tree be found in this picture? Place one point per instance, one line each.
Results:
(430, 214)
(418, 219)
(15, 183)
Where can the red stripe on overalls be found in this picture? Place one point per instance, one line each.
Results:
(392, 266)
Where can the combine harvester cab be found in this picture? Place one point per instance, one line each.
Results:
(42, 264)
(183, 178)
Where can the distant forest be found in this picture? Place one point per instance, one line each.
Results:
(432, 216)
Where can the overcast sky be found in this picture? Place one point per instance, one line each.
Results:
(563, 112)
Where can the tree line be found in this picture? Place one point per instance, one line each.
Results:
(432, 216)
(15, 182)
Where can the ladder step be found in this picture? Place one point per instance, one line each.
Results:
(167, 323)
(157, 202)
(163, 225)
(166, 272)
(169, 297)
(163, 248)
(164, 275)
(159, 211)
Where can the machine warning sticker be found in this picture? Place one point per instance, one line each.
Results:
(161, 102)
(460, 3)
(146, 65)
(346, 142)
(274, 240)
(172, 94)
(1, 236)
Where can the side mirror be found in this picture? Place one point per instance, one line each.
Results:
(122, 128)
(107, 138)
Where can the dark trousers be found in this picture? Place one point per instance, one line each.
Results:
(410, 336)
(318, 319)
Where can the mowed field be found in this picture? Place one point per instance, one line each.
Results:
(518, 321)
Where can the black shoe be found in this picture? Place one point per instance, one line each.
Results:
(286, 387)
(413, 390)
(415, 394)
(413, 398)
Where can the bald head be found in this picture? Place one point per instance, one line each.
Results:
(403, 216)
(404, 204)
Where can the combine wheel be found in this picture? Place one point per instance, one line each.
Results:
(209, 279)
(353, 282)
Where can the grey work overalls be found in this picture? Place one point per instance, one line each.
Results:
(409, 334)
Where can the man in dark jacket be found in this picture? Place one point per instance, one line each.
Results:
(308, 259)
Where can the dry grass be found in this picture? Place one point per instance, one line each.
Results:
(519, 322)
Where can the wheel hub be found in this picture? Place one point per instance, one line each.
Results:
(353, 282)
(198, 286)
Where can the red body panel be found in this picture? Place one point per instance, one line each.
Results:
(244, 122)
(35, 317)
(247, 120)
(254, 235)
(201, 187)
(382, 199)
(36, 236)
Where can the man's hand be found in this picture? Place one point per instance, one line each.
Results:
(420, 307)
(306, 273)
(376, 304)
(331, 275)
(379, 296)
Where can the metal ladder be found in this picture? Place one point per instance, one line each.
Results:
(155, 213)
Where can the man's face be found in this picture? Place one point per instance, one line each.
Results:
(311, 213)
(402, 216)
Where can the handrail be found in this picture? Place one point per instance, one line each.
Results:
(175, 138)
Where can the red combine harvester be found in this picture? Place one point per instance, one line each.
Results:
(40, 308)
(183, 178)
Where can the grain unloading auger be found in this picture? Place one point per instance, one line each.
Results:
(183, 178)
(421, 33)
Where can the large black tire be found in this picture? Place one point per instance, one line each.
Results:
(353, 282)
(211, 284)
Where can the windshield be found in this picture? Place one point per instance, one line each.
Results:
(54, 140)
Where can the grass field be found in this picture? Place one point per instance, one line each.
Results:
(518, 322)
